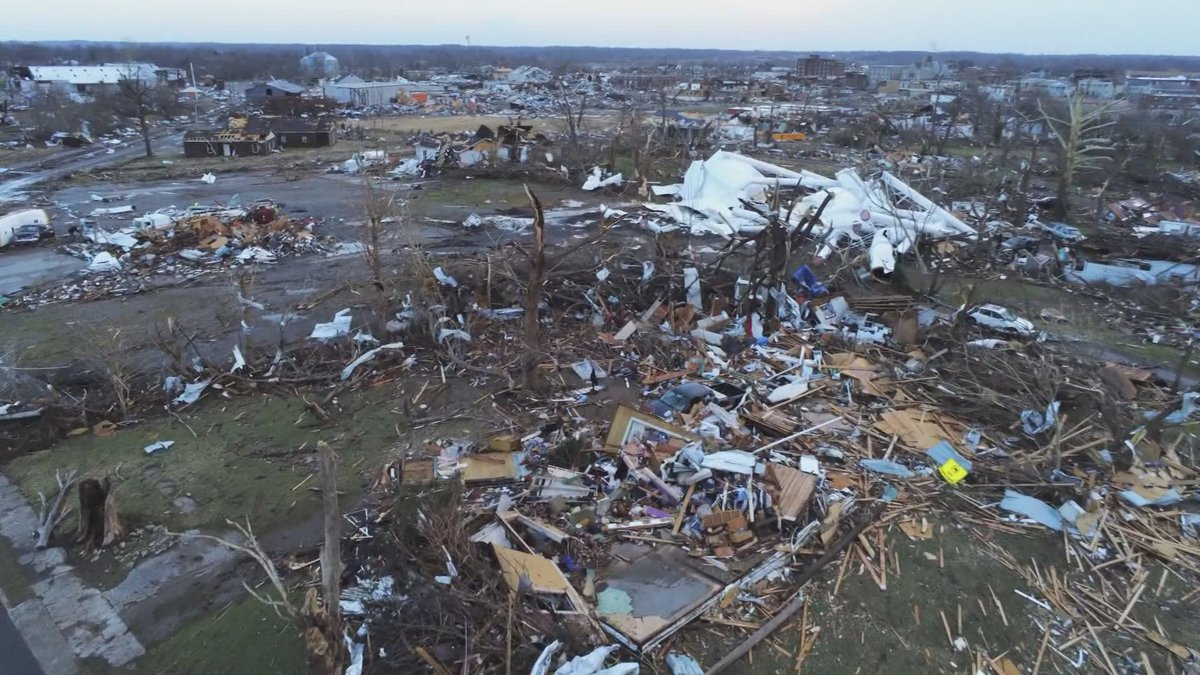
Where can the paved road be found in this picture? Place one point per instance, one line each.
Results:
(21, 267)
(15, 657)
(14, 188)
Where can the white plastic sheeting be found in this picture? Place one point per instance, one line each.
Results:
(885, 215)
(596, 180)
(104, 262)
(589, 664)
(122, 238)
(713, 191)
(339, 327)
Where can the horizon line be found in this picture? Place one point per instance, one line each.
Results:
(460, 45)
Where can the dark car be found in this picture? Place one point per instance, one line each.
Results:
(28, 234)
(685, 396)
(1021, 242)
(679, 399)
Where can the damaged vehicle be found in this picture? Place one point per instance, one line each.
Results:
(684, 397)
(1063, 233)
(1001, 320)
(29, 234)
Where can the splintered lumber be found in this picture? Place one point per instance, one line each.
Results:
(797, 602)
(881, 303)
(771, 420)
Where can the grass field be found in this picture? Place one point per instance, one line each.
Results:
(246, 637)
(247, 459)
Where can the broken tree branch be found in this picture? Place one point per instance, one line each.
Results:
(52, 515)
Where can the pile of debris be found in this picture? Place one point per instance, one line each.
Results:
(165, 248)
(748, 466)
(730, 195)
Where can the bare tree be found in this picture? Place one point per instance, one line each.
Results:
(110, 349)
(378, 206)
(572, 112)
(540, 268)
(330, 619)
(1081, 144)
(137, 97)
(533, 296)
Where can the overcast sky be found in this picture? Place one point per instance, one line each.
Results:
(1030, 26)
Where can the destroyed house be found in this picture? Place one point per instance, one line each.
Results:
(486, 143)
(295, 132)
(234, 141)
(261, 92)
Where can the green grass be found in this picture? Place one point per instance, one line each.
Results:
(244, 461)
(40, 338)
(1086, 321)
(476, 192)
(247, 637)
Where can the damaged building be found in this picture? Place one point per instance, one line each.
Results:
(73, 80)
(233, 141)
(295, 132)
(261, 93)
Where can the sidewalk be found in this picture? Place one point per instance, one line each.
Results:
(66, 620)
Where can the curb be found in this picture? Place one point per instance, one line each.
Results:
(41, 637)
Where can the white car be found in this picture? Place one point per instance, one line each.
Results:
(1002, 320)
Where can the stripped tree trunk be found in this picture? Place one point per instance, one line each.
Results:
(331, 561)
(533, 296)
(99, 521)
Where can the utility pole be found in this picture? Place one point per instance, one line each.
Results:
(195, 95)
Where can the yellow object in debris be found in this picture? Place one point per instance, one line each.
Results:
(789, 136)
(952, 471)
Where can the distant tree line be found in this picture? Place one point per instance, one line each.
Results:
(254, 61)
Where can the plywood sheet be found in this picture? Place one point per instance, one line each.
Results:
(485, 467)
(544, 576)
(794, 491)
(919, 429)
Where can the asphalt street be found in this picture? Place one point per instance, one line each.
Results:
(15, 657)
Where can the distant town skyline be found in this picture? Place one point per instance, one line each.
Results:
(1166, 27)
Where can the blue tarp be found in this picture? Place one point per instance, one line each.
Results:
(1034, 422)
(808, 280)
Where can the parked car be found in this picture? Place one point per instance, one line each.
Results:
(1001, 320)
(1063, 232)
(28, 234)
(1015, 247)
